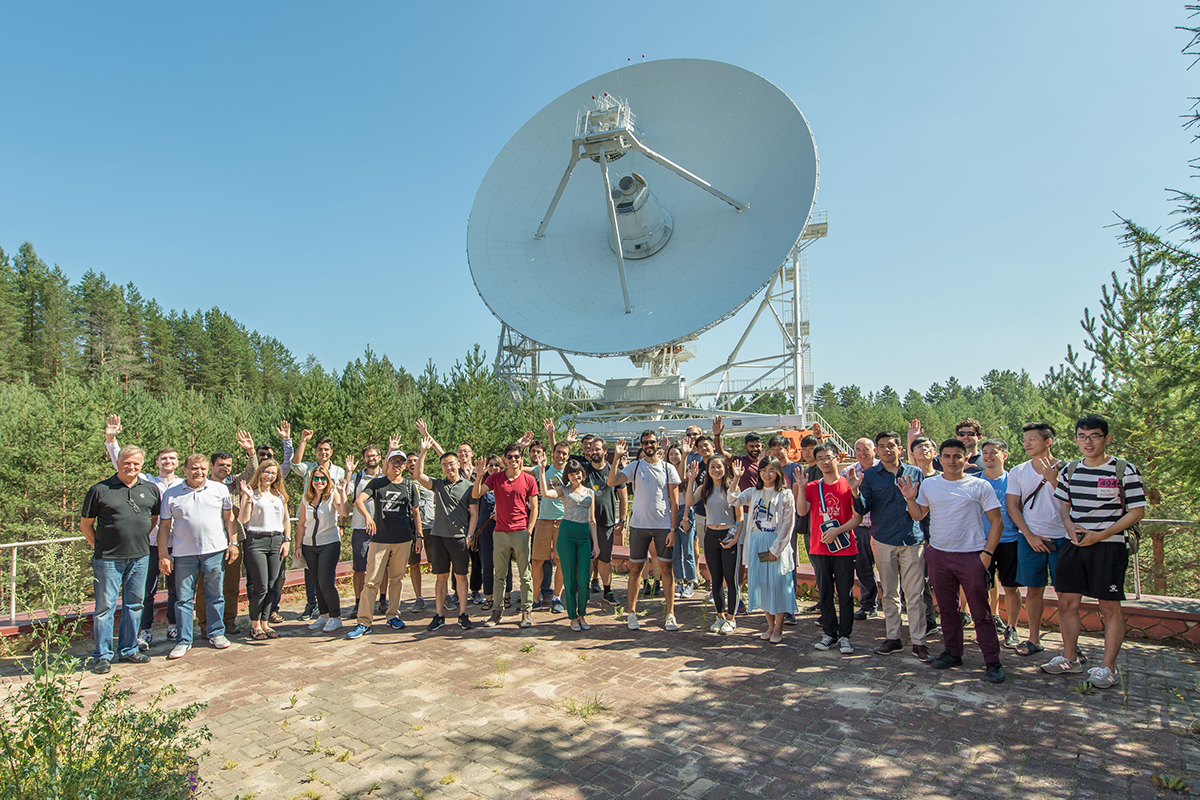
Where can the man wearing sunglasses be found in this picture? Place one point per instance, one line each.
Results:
(655, 485)
(117, 517)
(516, 495)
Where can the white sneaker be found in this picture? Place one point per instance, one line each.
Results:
(718, 623)
(670, 624)
(179, 651)
(332, 624)
(1102, 677)
(825, 643)
(318, 623)
(689, 589)
(845, 647)
(631, 621)
(730, 626)
(726, 627)
(219, 642)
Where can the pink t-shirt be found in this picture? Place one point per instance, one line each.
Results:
(512, 498)
(839, 505)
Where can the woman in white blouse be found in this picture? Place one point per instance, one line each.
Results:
(767, 547)
(321, 543)
(264, 514)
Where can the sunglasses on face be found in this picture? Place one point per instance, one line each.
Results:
(320, 480)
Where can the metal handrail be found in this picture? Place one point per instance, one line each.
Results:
(12, 585)
(1137, 560)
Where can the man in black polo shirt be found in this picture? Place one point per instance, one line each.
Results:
(117, 517)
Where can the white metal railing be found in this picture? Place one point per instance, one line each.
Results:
(12, 583)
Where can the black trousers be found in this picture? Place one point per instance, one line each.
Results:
(835, 574)
(322, 563)
(263, 564)
(722, 571)
(864, 568)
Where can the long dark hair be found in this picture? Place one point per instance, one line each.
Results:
(707, 486)
(771, 462)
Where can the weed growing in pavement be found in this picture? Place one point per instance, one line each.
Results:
(528, 648)
(497, 681)
(583, 656)
(229, 764)
(374, 787)
(1172, 783)
(447, 780)
(418, 793)
(1083, 688)
(295, 696)
(307, 794)
(417, 727)
(311, 777)
(343, 757)
(249, 796)
(587, 708)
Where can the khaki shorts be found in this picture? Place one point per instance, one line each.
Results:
(545, 535)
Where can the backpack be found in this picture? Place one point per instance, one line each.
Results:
(1133, 538)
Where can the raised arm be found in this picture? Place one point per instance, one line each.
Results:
(548, 425)
(478, 489)
(718, 431)
(424, 431)
(419, 476)
(541, 473)
(285, 448)
(298, 456)
(247, 444)
(910, 489)
(615, 476)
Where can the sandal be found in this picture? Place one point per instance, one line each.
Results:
(258, 634)
(275, 619)
(1028, 648)
(271, 633)
(487, 605)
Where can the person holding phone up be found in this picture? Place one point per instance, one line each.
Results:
(834, 547)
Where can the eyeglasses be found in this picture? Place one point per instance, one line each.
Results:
(1089, 437)
(136, 508)
(650, 443)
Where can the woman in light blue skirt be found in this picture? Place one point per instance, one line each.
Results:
(767, 547)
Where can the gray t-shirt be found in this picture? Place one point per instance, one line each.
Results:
(452, 512)
(576, 506)
(649, 484)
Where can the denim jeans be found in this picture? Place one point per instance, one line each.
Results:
(685, 546)
(189, 569)
(113, 577)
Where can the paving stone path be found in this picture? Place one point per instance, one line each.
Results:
(505, 713)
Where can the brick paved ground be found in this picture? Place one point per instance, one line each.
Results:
(486, 714)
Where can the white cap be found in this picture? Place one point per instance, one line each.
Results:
(395, 453)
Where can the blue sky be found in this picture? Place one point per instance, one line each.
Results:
(310, 168)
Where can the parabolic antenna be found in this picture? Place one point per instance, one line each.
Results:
(707, 171)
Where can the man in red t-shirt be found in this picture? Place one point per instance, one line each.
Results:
(516, 512)
(833, 548)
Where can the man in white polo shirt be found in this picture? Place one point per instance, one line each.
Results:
(196, 538)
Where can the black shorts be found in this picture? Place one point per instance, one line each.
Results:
(1004, 565)
(639, 545)
(446, 552)
(1097, 571)
(359, 542)
(604, 538)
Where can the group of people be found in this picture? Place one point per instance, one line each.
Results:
(949, 522)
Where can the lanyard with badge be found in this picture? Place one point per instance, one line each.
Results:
(842, 540)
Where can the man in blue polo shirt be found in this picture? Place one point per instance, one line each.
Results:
(897, 541)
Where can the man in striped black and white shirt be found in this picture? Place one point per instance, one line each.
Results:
(1102, 498)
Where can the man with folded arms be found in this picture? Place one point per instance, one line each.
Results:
(898, 543)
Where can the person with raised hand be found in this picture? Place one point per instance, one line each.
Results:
(612, 509)
(453, 521)
(323, 447)
(723, 504)
(655, 487)
(766, 547)
(960, 551)
(516, 497)
(577, 541)
(166, 461)
(263, 512)
(833, 548)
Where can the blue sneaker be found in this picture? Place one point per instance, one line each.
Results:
(359, 630)
(394, 622)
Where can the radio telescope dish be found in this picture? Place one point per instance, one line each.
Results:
(708, 174)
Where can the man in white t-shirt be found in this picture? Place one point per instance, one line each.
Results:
(1034, 509)
(196, 539)
(655, 487)
(959, 552)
